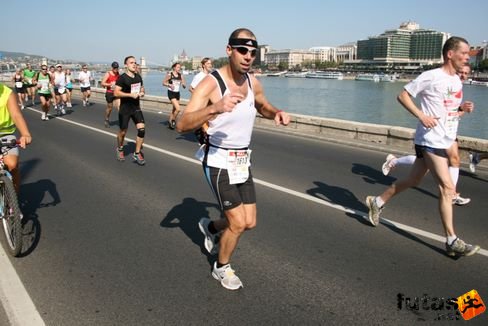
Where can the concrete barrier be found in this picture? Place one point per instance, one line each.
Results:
(390, 139)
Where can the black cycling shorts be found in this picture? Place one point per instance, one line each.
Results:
(136, 116)
(229, 196)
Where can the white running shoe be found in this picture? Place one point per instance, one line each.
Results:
(473, 161)
(209, 242)
(43, 116)
(227, 277)
(69, 105)
(460, 201)
(386, 167)
(374, 211)
(84, 103)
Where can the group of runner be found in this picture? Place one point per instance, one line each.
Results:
(227, 100)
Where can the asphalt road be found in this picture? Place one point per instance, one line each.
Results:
(111, 243)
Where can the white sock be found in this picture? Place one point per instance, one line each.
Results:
(450, 239)
(454, 172)
(405, 160)
(379, 202)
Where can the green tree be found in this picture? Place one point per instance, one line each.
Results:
(483, 66)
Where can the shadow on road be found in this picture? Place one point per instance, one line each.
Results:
(374, 176)
(31, 198)
(186, 216)
(415, 238)
(339, 196)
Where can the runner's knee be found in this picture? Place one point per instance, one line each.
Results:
(141, 132)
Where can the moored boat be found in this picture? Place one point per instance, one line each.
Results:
(325, 75)
(369, 77)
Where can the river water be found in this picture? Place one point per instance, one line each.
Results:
(361, 101)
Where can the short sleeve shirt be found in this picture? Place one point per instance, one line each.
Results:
(129, 85)
(440, 96)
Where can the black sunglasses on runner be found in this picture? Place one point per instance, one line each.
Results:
(243, 50)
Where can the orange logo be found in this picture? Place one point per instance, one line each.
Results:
(470, 305)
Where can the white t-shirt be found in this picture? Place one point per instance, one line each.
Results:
(440, 96)
(84, 78)
(197, 79)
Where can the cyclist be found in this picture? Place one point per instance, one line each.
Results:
(11, 118)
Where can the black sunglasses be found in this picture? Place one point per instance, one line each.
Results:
(243, 50)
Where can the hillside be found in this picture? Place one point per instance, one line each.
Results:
(15, 55)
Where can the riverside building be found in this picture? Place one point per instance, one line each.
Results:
(407, 48)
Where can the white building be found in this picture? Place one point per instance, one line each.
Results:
(291, 58)
(324, 53)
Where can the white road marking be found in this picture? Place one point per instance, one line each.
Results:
(16, 301)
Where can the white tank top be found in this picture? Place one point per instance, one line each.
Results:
(230, 130)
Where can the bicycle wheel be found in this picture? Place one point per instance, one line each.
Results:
(11, 219)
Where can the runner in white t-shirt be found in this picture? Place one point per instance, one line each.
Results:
(453, 152)
(85, 78)
(440, 94)
(206, 69)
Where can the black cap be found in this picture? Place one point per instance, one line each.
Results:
(115, 64)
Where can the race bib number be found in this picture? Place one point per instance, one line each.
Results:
(61, 90)
(19, 84)
(452, 123)
(238, 162)
(44, 85)
(135, 88)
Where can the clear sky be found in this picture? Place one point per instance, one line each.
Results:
(89, 30)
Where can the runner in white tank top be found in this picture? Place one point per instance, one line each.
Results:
(229, 102)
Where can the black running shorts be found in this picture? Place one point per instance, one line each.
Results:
(229, 196)
(136, 116)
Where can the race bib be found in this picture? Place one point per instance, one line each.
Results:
(176, 85)
(61, 90)
(135, 88)
(238, 162)
(19, 84)
(44, 85)
(452, 122)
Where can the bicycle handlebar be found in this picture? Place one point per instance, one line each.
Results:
(10, 143)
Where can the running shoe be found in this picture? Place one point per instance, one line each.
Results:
(139, 158)
(43, 116)
(22, 107)
(107, 124)
(210, 241)
(84, 102)
(460, 201)
(227, 277)
(171, 124)
(473, 161)
(460, 248)
(386, 167)
(120, 154)
(374, 210)
(69, 105)
(63, 111)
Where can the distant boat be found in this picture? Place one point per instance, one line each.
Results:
(325, 75)
(369, 77)
(478, 83)
(276, 74)
(388, 78)
(296, 74)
